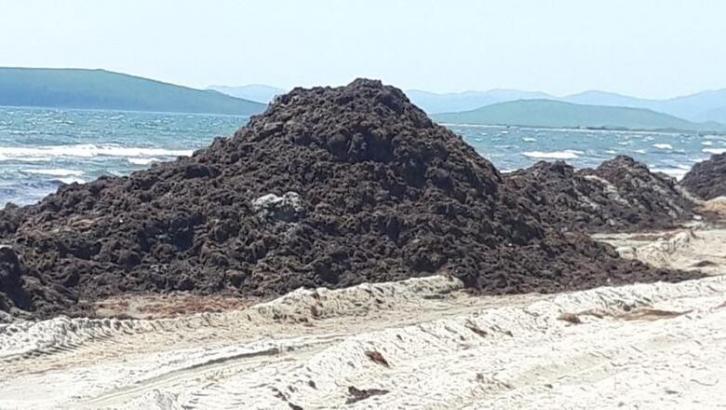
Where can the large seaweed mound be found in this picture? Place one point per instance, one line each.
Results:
(707, 179)
(329, 187)
(620, 195)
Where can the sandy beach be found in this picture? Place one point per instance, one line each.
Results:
(420, 343)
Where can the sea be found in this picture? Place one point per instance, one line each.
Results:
(40, 149)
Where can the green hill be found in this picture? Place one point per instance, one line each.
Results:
(100, 89)
(557, 114)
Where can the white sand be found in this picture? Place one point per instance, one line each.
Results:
(656, 346)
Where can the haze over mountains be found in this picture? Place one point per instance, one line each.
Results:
(700, 107)
(253, 92)
(434, 103)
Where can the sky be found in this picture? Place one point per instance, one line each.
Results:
(645, 48)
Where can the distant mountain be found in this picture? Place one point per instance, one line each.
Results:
(700, 107)
(549, 113)
(100, 89)
(434, 103)
(704, 106)
(253, 92)
(717, 115)
(595, 97)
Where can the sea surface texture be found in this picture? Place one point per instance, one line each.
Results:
(40, 149)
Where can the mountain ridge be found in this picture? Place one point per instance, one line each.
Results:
(468, 100)
(560, 114)
(701, 106)
(102, 89)
(704, 106)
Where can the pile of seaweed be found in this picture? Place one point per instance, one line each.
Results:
(329, 187)
(707, 179)
(620, 195)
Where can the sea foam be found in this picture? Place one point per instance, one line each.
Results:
(70, 180)
(55, 172)
(714, 150)
(86, 151)
(142, 161)
(676, 173)
(566, 154)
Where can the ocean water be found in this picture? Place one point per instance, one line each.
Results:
(40, 149)
(510, 148)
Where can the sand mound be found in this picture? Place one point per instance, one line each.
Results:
(707, 179)
(619, 195)
(716, 206)
(329, 187)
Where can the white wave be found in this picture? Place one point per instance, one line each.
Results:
(714, 150)
(529, 139)
(55, 172)
(70, 180)
(708, 143)
(675, 173)
(663, 146)
(27, 159)
(639, 151)
(566, 154)
(86, 151)
(142, 161)
(611, 152)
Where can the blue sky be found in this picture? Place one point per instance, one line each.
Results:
(648, 48)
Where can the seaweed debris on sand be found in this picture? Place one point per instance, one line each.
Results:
(328, 187)
(707, 179)
(620, 195)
